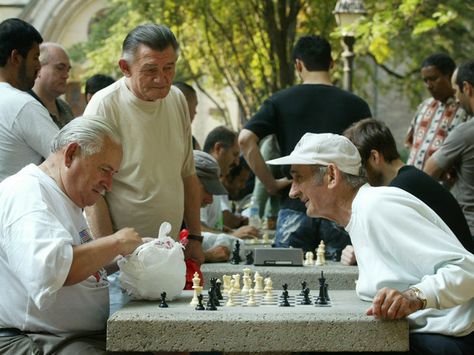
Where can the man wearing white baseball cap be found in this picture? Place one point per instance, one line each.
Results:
(410, 263)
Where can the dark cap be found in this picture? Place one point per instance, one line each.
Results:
(208, 171)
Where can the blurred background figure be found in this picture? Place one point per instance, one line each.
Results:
(191, 99)
(95, 83)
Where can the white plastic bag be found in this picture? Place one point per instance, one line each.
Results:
(154, 267)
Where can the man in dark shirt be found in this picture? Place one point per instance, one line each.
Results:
(316, 106)
(384, 167)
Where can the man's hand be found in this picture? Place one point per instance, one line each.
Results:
(348, 256)
(392, 304)
(279, 184)
(217, 254)
(246, 232)
(128, 239)
(194, 251)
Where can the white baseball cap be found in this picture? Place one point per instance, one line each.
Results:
(323, 149)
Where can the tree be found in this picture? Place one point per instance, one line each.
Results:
(246, 45)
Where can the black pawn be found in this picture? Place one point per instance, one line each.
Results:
(163, 303)
(306, 300)
(321, 298)
(218, 290)
(284, 302)
(199, 306)
(303, 287)
(249, 258)
(236, 259)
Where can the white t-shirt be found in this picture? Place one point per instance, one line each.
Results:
(26, 130)
(157, 155)
(400, 242)
(211, 215)
(39, 225)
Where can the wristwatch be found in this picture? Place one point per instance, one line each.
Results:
(196, 237)
(419, 295)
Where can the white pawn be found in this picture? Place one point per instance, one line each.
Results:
(268, 290)
(251, 301)
(309, 260)
(247, 285)
(258, 283)
(320, 258)
(226, 279)
(230, 295)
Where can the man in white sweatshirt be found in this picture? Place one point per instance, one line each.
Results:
(410, 263)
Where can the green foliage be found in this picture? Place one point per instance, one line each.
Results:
(246, 45)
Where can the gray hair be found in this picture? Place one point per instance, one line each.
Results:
(88, 132)
(352, 180)
(45, 51)
(156, 37)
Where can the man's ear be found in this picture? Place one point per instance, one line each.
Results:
(70, 153)
(15, 57)
(375, 157)
(298, 65)
(124, 67)
(333, 176)
(467, 88)
(218, 147)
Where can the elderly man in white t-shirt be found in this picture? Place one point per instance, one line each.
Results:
(54, 294)
(410, 263)
(157, 182)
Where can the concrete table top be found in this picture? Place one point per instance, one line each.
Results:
(338, 276)
(143, 326)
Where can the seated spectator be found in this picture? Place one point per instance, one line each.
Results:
(51, 82)
(55, 295)
(192, 100)
(217, 247)
(234, 182)
(384, 167)
(221, 143)
(96, 83)
(410, 263)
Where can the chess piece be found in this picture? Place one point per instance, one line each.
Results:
(320, 257)
(236, 259)
(309, 259)
(211, 306)
(163, 303)
(236, 278)
(321, 300)
(197, 289)
(196, 279)
(212, 293)
(247, 285)
(306, 300)
(268, 290)
(199, 306)
(326, 294)
(230, 295)
(249, 258)
(303, 287)
(258, 279)
(251, 301)
(266, 238)
(218, 290)
(284, 295)
(227, 279)
(247, 271)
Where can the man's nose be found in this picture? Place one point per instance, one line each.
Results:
(294, 191)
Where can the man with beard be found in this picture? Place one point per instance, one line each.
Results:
(457, 151)
(26, 129)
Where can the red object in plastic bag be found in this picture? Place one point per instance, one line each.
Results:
(191, 265)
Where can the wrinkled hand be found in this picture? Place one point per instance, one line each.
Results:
(217, 254)
(246, 232)
(348, 256)
(392, 304)
(194, 251)
(128, 239)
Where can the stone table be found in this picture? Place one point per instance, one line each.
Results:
(143, 326)
(338, 276)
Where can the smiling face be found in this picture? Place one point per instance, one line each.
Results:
(85, 178)
(151, 73)
(309, 190)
